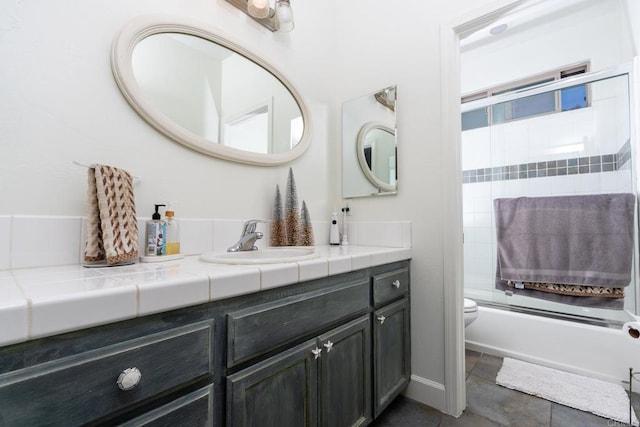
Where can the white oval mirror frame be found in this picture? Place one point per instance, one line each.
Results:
(366, 130)
(142, 27)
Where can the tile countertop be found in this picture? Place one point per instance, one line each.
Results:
(40, 302)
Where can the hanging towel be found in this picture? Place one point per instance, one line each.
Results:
(112, 227)
(573, 240)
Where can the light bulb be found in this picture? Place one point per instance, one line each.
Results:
(284, 16)
(258, 8)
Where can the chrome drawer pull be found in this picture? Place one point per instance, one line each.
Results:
(316, 352)
(381, 319)
(129, 378)
(396, 284)
(328, 345)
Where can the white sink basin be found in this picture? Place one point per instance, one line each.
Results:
(262, 256)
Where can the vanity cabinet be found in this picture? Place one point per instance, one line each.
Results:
(391, 336)
(327, 352)
(324, 381)
(391, 355)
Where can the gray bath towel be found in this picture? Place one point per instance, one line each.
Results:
(578, 240)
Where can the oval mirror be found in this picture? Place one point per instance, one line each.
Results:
(376, 151)
(209, 93)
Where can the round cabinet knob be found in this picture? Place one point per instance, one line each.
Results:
(381, 319)
(129, 378)
(396, 284)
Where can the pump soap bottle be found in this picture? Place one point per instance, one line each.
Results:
(173, 232)
(156, 234)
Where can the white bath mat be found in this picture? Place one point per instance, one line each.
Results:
(601, 398)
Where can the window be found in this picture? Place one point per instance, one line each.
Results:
(565, 99)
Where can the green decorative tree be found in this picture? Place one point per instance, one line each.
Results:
(278, 231)
(306, 236)
(291, 212)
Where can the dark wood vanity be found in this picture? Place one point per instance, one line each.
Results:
(331, 352)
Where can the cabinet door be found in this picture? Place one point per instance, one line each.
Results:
(280, 391)
(345, 375)
(391, 353)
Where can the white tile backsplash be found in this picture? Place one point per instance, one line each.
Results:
(196, 236)
(5, 242)
(368, 234)
(44, 241)
(227, 233)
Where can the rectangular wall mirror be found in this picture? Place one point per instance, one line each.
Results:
(369, 145)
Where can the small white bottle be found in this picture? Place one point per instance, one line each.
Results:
(334, 230)
(173, 232)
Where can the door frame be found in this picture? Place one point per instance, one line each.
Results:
(453, 265)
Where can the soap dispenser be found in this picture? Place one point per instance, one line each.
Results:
(156, 234)
(334, 230)
(173, 232)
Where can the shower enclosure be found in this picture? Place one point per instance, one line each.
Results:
(570, 136)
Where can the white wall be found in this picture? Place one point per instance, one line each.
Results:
(381, 45)
(60, 103)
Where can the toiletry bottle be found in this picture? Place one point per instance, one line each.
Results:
(334, 230)
(173, 232)
(156, 234)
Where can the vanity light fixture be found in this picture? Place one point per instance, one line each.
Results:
(276, 15)
(284, 15)
(258, 8)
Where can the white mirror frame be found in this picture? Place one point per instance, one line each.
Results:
(362, 136)
(121, 65)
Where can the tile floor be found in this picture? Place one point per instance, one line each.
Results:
(489, 404)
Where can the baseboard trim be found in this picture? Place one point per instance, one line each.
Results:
(427, 392)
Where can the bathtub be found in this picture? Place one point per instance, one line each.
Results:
(593, 351)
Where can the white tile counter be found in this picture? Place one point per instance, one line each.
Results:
(39, 302)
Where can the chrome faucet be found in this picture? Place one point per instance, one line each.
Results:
(248, 237)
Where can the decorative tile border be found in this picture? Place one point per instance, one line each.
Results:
(572, 166)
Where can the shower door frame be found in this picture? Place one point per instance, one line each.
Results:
(621, 70)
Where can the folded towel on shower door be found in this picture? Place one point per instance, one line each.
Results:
(112, 227)
(575, 240)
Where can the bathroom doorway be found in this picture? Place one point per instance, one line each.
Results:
(452, 34)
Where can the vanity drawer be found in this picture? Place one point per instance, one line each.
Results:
(193, 410)
(390, 286)
(81, 388)
(257, 330)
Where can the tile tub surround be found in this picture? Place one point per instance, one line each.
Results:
(44, 301)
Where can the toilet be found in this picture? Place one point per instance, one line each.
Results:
(470, 311)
